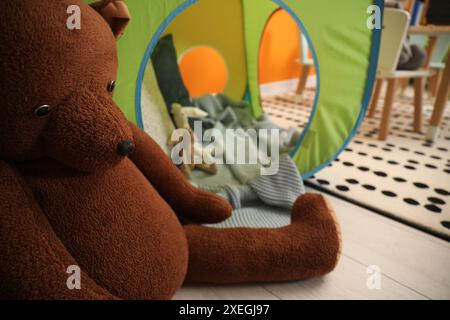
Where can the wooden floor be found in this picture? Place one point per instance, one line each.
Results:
(413, 265)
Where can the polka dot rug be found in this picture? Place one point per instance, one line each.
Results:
(404, 177)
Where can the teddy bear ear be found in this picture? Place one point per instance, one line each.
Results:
(115, 13)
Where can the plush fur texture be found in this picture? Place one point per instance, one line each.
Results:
(67, 196)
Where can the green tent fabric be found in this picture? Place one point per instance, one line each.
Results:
(344, 48)
(257, 13)
(149, 20)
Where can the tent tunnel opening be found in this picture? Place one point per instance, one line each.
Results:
(225, 57)
(341, 98)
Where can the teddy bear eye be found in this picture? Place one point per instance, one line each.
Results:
(42, 111)
(111, 86)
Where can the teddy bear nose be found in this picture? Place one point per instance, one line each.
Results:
(124, 148)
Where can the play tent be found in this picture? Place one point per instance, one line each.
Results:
(344, 48)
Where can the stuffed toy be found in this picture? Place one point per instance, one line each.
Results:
(83, 189)
(181, 116)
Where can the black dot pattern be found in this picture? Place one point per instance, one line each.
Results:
(404, 175)
(389, 194)
(323, 182)
(433, 208)
(380, 174)
(412, 201)
(421, 185)
(369, 187)
(343, 188)
(437, 201)
(442, 192)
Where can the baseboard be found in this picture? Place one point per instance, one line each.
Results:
(285, 86)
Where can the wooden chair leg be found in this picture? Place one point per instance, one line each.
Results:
(375, 97)
(439, 75)
(303, 79)
(403, 86)
(418, 100)
(388, 103)
(440, 103)
(433, 83)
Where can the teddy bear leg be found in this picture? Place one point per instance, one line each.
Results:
(310, 246)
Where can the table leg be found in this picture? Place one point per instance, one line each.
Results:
(419, 84)
(439, 106)
(375, 97)
(430, 51)
(303, 79)
(388, 103)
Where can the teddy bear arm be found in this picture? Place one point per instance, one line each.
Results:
(186, 200)
(35, 263)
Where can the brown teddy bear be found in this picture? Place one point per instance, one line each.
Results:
(81, 186)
